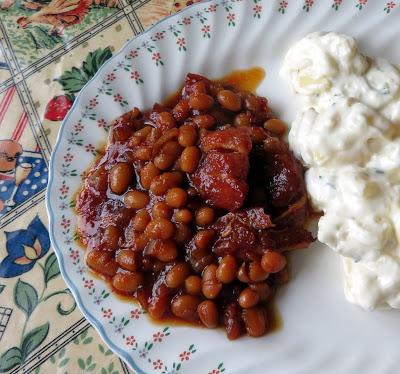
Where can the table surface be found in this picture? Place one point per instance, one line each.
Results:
(43, 65)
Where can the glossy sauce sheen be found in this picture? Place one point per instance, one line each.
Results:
(240, 80)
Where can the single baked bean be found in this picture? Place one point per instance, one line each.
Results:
(256, 272)
(161, 210)
(205, 216)
(162, 183)
(204, 239)
(121, 176)
(127, 281)
(165, 121)
(99, 179)
(243, 273)
(276, 126)
(147, 174)
(255, 321)
(183, 216)
(187, 135)
(189, 159)
(211, 286)
(242, 120)
(143, 153)
(177, 274)
(136, 199)
(164, 250)
(159, 300)
(121, 133)
(200, 101)
(281, 277)
(258, 135)
(252, 103)
(102, 262)
(273, 261)
(227, 269)
(139, 136)
(140, 242)
(169, 153)
(183, 233)
(198, 87)
(229, 100)
(176, 197)
(262, 289)
(248, 298)
(127, 259)
(160, 228)
(181, 110)
(185, 306)
(208, 314)
(204, 121)
(233, 321)
(141, 219)
(111, 237)
(193, 285)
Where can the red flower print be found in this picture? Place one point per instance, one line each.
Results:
(159, 35)
(186, 21)
(68, 157)
(337, 2)
(283, 4)
(111, 77)
(130, 340)
(181, 42)
(362, 2)
(257, 9)
(93, 102)
(390, 4)
(309, 3)
(102, 123)
(78, 127)
(74, 255)
(206, 29)
(134, 53)
(107, 313)
(64, 189)
(118, 98)
(212, 8)
(135, 75)
(88, 284)
(135, 313)
(215, 371)
(158, 364)
(158, 337)
(65, 223)
(184, 356)
(230, 17)
(89, 148)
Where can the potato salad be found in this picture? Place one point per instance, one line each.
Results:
(347, 134)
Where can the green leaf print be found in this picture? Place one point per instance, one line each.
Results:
(51, 269)
(25, 297)
(42, 39)
(33, 339)
(81, 364)
(73, 80)
(9, 359)
(94, 60)
(2, 287)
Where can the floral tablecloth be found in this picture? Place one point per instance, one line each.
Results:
(44, 62)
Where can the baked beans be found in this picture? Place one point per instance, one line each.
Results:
(177, 214)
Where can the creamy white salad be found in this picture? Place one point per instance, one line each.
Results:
(347, 134)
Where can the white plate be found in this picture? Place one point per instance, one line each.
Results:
(321, 332)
